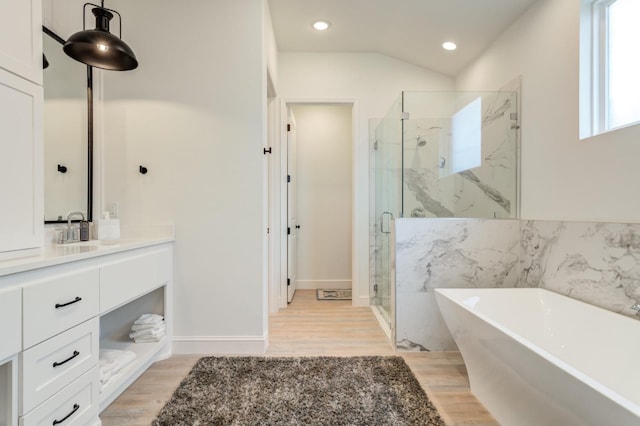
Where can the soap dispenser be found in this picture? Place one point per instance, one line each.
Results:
(84, 230)
(108, 228)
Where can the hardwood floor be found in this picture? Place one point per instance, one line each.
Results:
(310, 327)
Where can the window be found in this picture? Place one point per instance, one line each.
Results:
(466, 137)
(609, 65)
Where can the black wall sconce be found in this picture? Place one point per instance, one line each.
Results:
(99, 48)
(62, 169)
(143, 170)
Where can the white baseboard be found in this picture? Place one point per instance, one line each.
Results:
(361, 301)
(326, 284)
(219, 345)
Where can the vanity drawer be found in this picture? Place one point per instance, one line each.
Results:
(125, 280)
(50, 366)
(56, 304)
(10, 320)
(77, 404)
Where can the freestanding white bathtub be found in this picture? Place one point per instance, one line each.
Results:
(538, 358)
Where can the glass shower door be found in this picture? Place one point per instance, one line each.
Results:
(388, 202)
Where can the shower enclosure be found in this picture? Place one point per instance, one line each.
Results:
(439, 155)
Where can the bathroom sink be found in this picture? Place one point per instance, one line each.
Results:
(93, 243)
(87, 246)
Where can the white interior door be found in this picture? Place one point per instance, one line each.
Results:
(292, 229)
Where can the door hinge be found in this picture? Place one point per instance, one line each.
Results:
(288, 282)
(288, 127)
(288, 230)
(288, 178)
(267, 230)
(267, 151)
(375, 288)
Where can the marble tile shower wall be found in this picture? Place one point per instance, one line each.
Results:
(437, 253)
(598, 263)
(432, 189)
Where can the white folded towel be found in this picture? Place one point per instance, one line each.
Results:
(146, 339)
(110, 380)
(112, 361)
(149, 319)
(138, 327)
(149, 332)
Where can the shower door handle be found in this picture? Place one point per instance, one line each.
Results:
(382, 222)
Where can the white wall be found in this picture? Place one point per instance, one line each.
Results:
(270, 46)
(64, 17)
(324, 197)
(375, 81)
(194, 113)
(563, 178)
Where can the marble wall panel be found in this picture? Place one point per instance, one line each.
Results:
(487, 191)
(598, 263)
(439, 253)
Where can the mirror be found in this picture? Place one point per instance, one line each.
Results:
(68, 132)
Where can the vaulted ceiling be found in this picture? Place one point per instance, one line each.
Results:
(410, 30)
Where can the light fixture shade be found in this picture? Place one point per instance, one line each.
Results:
(99, 48)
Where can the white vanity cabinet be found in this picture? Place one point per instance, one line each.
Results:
(50, 366)
(21, 124)
(10, 345)
(21, 163)
(124, 280)
(75, 405)
(56, 319)
(59, 302)
(10, 321)
(21, 38)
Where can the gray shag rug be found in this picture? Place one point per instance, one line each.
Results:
(299, 391)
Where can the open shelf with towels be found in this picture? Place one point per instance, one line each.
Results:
(115, 327)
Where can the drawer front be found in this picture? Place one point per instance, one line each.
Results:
(10, 320)
(77, 405)
(123, 281)
(53, 364)
(54, 305)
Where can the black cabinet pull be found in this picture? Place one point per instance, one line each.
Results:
(62, 305)
(58, 364)
(76, 407)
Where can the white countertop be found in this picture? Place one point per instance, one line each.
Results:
(51, 255)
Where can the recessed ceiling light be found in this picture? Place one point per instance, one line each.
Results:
(449, 45)
(321, 25)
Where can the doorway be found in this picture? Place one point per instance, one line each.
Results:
(319, 197)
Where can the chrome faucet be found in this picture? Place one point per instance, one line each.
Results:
(70, 215)
(636, 307)
(71, 234)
